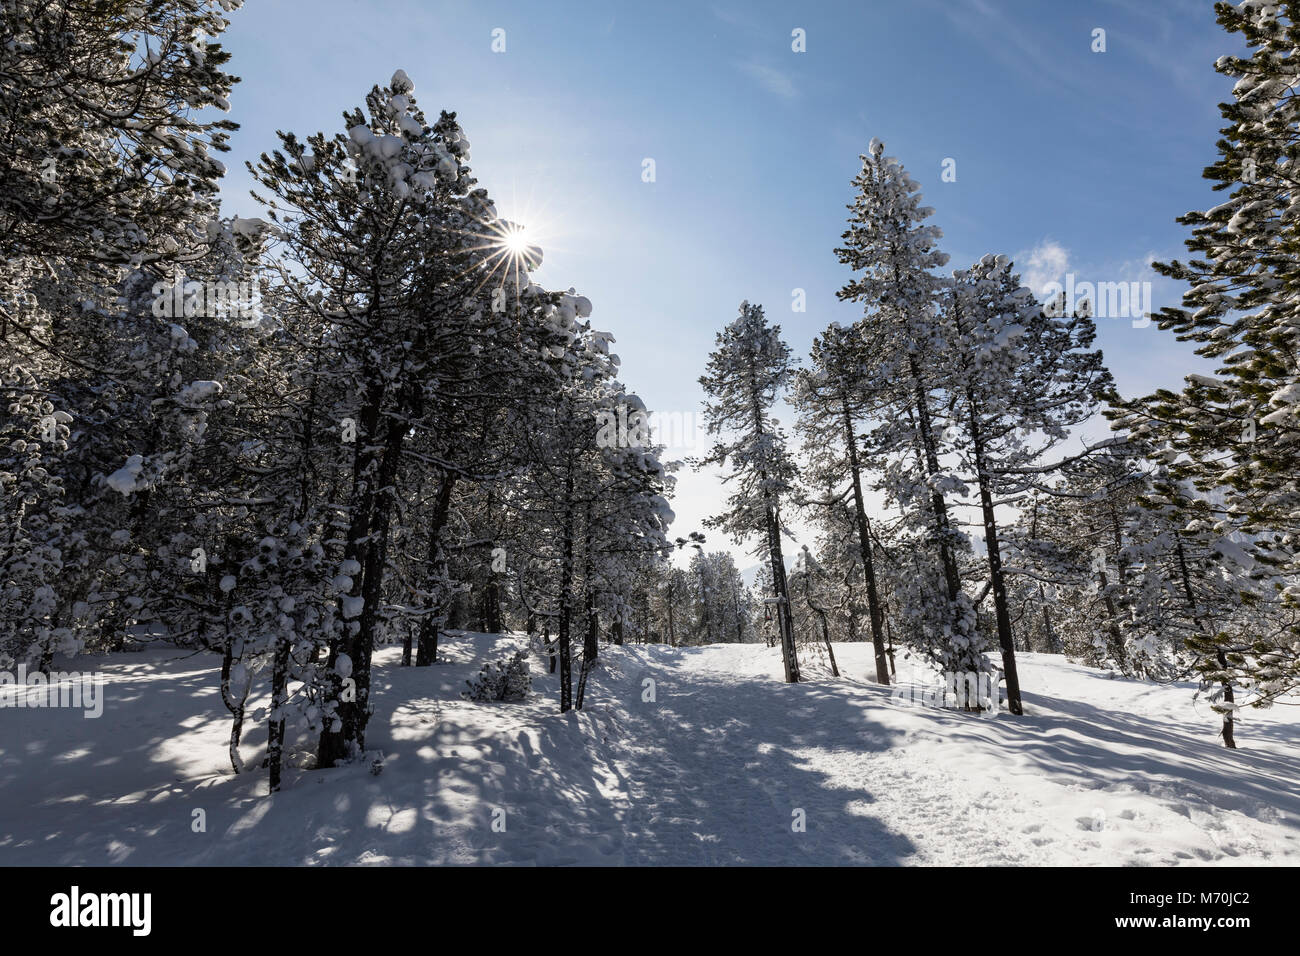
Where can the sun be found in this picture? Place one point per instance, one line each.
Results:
(515, 240)
(517, 250)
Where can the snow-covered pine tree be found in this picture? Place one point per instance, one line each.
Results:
(1019, 380)
(107, 174)
(718, 599)
(358, 216)
(1236, 436)
(558, 495)
(893, 251)
(831, 403)
(747, 371)
(106, 149)
(1074, 540)
(670, 597)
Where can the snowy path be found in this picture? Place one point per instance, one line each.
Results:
(712, 771)
(727, 754)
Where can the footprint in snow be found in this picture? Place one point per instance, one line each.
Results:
(1096, 822)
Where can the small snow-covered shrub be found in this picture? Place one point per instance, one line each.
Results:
(501, 680)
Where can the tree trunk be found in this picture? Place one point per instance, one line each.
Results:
(672, 600)
(234, 705)
(1047, 622)
(997, 578)
(783, 615)
(427, 645)
(864, 543)
(704, 605)
(1112, 619)
(374, 473)
(1229, 740)
(940, 508)
(826, 636)
(566, 598)
(275, 720)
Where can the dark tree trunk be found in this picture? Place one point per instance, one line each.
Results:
(672, 601)
(1112, 619)
(998, 580)
(374, 473)
(706, 617)
(784, 618)
(864, 543)
(1047, 622)
(234, 705)
(566, 597)
(427, 644)
(826, 636)
(1228, 740)
(1226, 733)
(591, 641)
(943, 531)
(781, 591)
(275, 721)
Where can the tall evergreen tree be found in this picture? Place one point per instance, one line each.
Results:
(892, 252)
(832, 403)
(1021, 379)
(747, 371)
(1235, 436)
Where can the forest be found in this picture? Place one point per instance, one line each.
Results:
(355, 422)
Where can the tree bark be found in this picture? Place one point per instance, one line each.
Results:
(784, 619)
(1005, 638)
(1226, 733)
(374, 473)
(864, 543)
(566, 597)
(940, 508)
(275, 720)
(427, 645)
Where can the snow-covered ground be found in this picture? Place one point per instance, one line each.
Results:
(718, 769)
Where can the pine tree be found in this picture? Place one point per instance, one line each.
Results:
(360, 214)
(747, 372)
(1021, 380)
(1235, 436)
(893, 251)
(831, 402)
(106, 145)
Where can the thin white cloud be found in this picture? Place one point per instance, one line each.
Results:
(771, 79)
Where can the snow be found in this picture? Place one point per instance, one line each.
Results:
(401, 83)
(251, 228)
(1100, 771)
(196, 392)
(126, 479)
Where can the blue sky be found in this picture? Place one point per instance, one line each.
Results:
(1066, 159)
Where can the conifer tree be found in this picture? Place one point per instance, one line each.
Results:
(1235, 436)
(831, 402)
(892, 253)
(747, 371)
